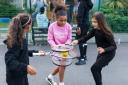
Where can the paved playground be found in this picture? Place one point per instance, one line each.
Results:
(116, 73)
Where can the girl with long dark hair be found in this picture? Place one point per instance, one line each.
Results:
(106, 46)
(17, 55)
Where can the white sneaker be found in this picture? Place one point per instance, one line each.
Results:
(50, 80)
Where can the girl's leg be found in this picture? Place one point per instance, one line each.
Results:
(102, 60)
(56, 70)
(61, 73)
(50, 77)
(96, 72)
(17, 81)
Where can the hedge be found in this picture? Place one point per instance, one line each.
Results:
(118, 23)
(8, 11)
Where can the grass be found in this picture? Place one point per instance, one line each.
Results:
(3, 25)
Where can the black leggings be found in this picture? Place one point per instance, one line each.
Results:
(101, 61)
(17, 81)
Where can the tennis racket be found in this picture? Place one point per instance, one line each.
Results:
(63, 55)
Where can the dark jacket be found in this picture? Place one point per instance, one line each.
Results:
(83, 15)
(107, 43)
(86, 3)
(16, 60)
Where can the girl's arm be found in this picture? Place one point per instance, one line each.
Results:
(50, 38)
(86, 37)
(112, 45)
(12, 63)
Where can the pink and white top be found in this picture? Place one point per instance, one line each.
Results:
(59, 35)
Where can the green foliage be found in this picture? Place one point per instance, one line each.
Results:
(106, 10)
(3, 25)
(8, 10)
(116, 7)
(118, 23)
(116, 4)
(117, 19)
(116, 12)
(121, 12)
(5, 2)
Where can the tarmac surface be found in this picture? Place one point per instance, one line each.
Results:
(116, 73)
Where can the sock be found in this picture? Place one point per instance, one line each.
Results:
(61, 83)
(50, 76)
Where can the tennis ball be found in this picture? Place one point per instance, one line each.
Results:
(64, 54)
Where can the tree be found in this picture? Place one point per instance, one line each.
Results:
(117, 4)
(5, 1)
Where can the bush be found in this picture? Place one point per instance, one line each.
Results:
(118, 23)
(106, 10)
(8, 10)
(117, 19)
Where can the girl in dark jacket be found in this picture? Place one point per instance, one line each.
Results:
(106, 46)
(17, 55)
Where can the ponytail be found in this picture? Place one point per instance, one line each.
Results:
(15, 32)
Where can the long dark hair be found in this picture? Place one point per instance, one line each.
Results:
(100, 18)
(16, 26)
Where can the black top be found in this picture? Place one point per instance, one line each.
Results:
(87, 4)
(17, 59)
(101, 40)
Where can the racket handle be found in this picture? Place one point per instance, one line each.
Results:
(38, 54)
(47, 53)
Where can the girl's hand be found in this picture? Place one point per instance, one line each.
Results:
(100, 50)
(42, 53)
(54, 46)
(74, 42)
(31, 70)
(78, 31)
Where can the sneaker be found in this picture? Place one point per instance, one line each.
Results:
(85, 57)
(50, 81)
(81, 62)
